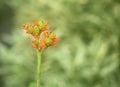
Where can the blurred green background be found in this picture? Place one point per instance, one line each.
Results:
(88, 51)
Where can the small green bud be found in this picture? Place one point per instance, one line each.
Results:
(37, 42)
(48, 41)
(40, 23)
(30, 29)
(36, 30)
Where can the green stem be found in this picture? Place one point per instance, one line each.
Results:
(38, 67)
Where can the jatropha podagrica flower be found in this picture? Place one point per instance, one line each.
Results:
(42, 39)
(40, 32)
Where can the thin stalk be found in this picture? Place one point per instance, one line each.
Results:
(38, 67)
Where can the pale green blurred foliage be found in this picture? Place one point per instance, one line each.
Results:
(86, 56)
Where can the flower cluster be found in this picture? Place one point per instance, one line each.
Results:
(42, 38)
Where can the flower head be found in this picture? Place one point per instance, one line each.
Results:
(40, 32)
(36, 28)
(50, 39)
